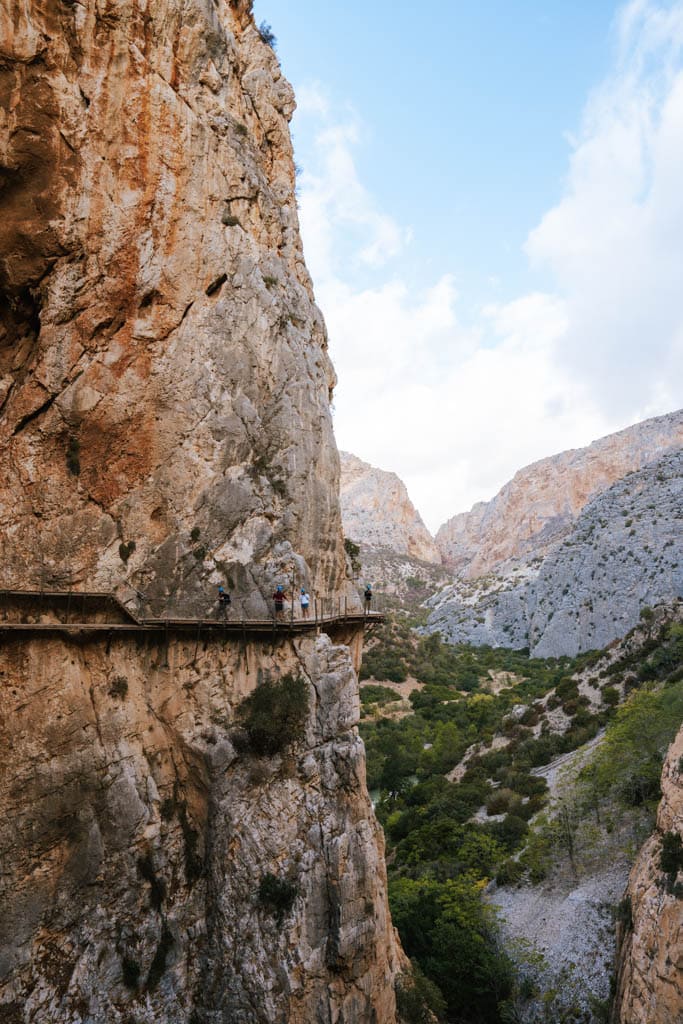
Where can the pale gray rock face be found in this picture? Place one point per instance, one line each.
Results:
(538, 507)
(378, 514)
(136, 832)
(624, 552)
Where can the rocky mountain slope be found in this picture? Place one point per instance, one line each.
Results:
(622, 553)
(650, 963)
(164, 391)
(537, 508)
(378, 514)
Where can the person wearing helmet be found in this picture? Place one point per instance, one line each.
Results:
(367, 594)
(224, 601)
(305, 602)
(279, 600)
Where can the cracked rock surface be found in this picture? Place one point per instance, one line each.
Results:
(136, 836)
(163, 366)
(165, 425)
(650, 961)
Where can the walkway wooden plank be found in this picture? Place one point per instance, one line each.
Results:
(69, 596)
(151, 626)
(135, 624)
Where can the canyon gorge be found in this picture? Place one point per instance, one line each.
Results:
(187, 835)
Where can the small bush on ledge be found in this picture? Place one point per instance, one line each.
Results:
(267, 35)
(277, 895)
(671, 862)
(126, 550)
(73, 461)
(274, 715)
(119, 687)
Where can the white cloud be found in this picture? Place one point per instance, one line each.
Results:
(457, 408)
(614, 239)
(335, 205)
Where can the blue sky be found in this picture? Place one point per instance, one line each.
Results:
(490, 214)
(464, 113)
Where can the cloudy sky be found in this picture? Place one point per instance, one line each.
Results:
(491, 202)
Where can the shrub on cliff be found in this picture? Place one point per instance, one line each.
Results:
(277, 895)
(353, 551)
(274, 715)
(671, 861)
(267, 35)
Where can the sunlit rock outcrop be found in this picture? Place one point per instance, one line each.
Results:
(537, 508)
(377, 512)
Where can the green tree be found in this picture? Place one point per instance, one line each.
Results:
(629, 761)
(453, 935)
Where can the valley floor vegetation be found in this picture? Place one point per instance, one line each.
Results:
(495, 715)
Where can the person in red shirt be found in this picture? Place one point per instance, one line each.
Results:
(279, 600)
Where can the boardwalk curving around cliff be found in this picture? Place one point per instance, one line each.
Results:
(82, 612)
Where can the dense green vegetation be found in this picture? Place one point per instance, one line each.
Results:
(375, 694)
(454, 709)
(440, 857)
(273, 716)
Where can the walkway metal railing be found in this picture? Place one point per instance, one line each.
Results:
(328, 612)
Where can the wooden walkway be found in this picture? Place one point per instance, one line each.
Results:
(71, 604)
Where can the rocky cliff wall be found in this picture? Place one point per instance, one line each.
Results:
(163, 367)
(650, 967)
(378, 514)
(537, 508)
(164, 391)
(135, 837)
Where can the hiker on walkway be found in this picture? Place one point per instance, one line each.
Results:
(367, 594)
(224, 601)
(305, 602)
(279, 600)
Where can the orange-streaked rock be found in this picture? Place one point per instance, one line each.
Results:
(164, 380)
(650, 963)
(156, 314)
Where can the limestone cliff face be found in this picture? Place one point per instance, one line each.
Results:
(377, 512)
(164, 392)
(135, 839)
(536, 509)
(650, 975)
(163, 367)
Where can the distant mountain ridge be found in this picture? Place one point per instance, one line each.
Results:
(377, 512)
(624, 551)
(536, 509)
(561, 560)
